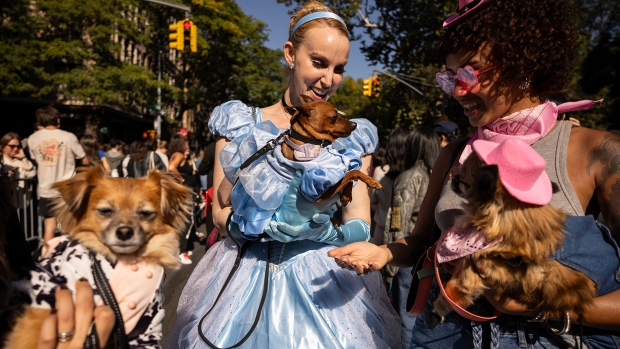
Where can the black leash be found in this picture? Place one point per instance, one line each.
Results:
(118, 340)
(268, 147)
(240, 253)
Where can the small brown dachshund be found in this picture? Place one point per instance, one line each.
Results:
(318, 122)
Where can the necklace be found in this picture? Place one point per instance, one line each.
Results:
(285, 106)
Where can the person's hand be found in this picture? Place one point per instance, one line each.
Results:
(20, 154)
(507, 305)
(575, 122)
(361, 256)
(11, 173)
(75, 318)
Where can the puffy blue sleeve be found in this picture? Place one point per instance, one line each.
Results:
(364, 140)
(231, 120)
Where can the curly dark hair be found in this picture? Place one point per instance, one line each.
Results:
(529, 40)
(177, 144)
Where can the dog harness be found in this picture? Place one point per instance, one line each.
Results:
(305, 152)
(137, 288)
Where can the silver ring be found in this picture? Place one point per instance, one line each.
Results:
(64, 337)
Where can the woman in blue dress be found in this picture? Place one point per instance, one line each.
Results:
(286, 292)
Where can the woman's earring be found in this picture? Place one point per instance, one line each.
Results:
(292, 66)
(525, 84)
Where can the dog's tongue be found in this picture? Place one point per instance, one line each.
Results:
(460, 242)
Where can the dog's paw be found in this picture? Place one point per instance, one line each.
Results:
(373, 183)
(345, 199)
(432, 319)
(442, 306)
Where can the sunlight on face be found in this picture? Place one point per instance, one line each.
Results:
(319, 64)
(487, 103)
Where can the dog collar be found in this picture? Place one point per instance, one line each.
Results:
(305, 152)
(298, 136)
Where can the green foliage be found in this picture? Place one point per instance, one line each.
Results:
(63, 50)
(80, 51)
(405, 42)
(232, 62)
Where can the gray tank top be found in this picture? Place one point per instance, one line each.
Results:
(553, 148)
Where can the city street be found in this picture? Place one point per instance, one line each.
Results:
(174, 284)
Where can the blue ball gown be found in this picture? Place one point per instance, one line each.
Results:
(310, 302)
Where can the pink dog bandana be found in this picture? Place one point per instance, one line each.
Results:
(304, 152)
(529, 125)
(460, 242)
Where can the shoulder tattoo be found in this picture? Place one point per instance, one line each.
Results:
(608, 154)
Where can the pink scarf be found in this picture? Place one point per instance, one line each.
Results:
(460, 242)
(530, 124)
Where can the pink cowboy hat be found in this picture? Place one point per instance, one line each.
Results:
(521, 169)
(466, 7)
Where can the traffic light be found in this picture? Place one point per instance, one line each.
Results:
(187, 33)
(376, 86)
(176, 36)
(193, 38)
(367, 87)
(184, 36)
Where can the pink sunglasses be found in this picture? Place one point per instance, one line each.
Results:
(466, 76)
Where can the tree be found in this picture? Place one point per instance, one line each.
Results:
(63, 50)
(232, 62)
(406, 37)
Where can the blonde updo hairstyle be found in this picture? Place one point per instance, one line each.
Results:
(312, 6)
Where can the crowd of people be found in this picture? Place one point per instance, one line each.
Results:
(307, 281)
(51, 154)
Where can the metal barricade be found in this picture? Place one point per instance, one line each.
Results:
(27, 204)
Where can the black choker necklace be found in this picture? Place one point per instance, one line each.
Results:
(286, 106)
(284, 102)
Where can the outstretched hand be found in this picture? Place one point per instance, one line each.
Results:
(361, 256)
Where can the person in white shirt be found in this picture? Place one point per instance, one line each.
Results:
(55, 152)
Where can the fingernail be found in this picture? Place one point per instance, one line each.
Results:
(64, 287)
(83, 279)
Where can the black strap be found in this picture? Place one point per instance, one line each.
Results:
(118, 340)
(268, 147)
(240, 253)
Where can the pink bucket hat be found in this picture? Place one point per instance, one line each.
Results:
(466, 7)
(521, 169)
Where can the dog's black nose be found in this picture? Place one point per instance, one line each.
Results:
(124, 233)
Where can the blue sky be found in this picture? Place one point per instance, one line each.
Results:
(276, 17)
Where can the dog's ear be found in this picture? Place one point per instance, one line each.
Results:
(292, 111)
(176, 199)
(305, 98)
(72, 204)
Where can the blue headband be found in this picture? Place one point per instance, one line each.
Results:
(312, 16)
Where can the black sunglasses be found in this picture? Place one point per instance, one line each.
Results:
(12, 146)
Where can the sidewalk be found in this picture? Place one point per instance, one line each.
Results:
(175, 282)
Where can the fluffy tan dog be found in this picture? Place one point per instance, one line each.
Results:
(521, 236)
(126, 225)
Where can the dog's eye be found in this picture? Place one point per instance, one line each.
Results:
(335, 118)
(106, 212)
(146, 214)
